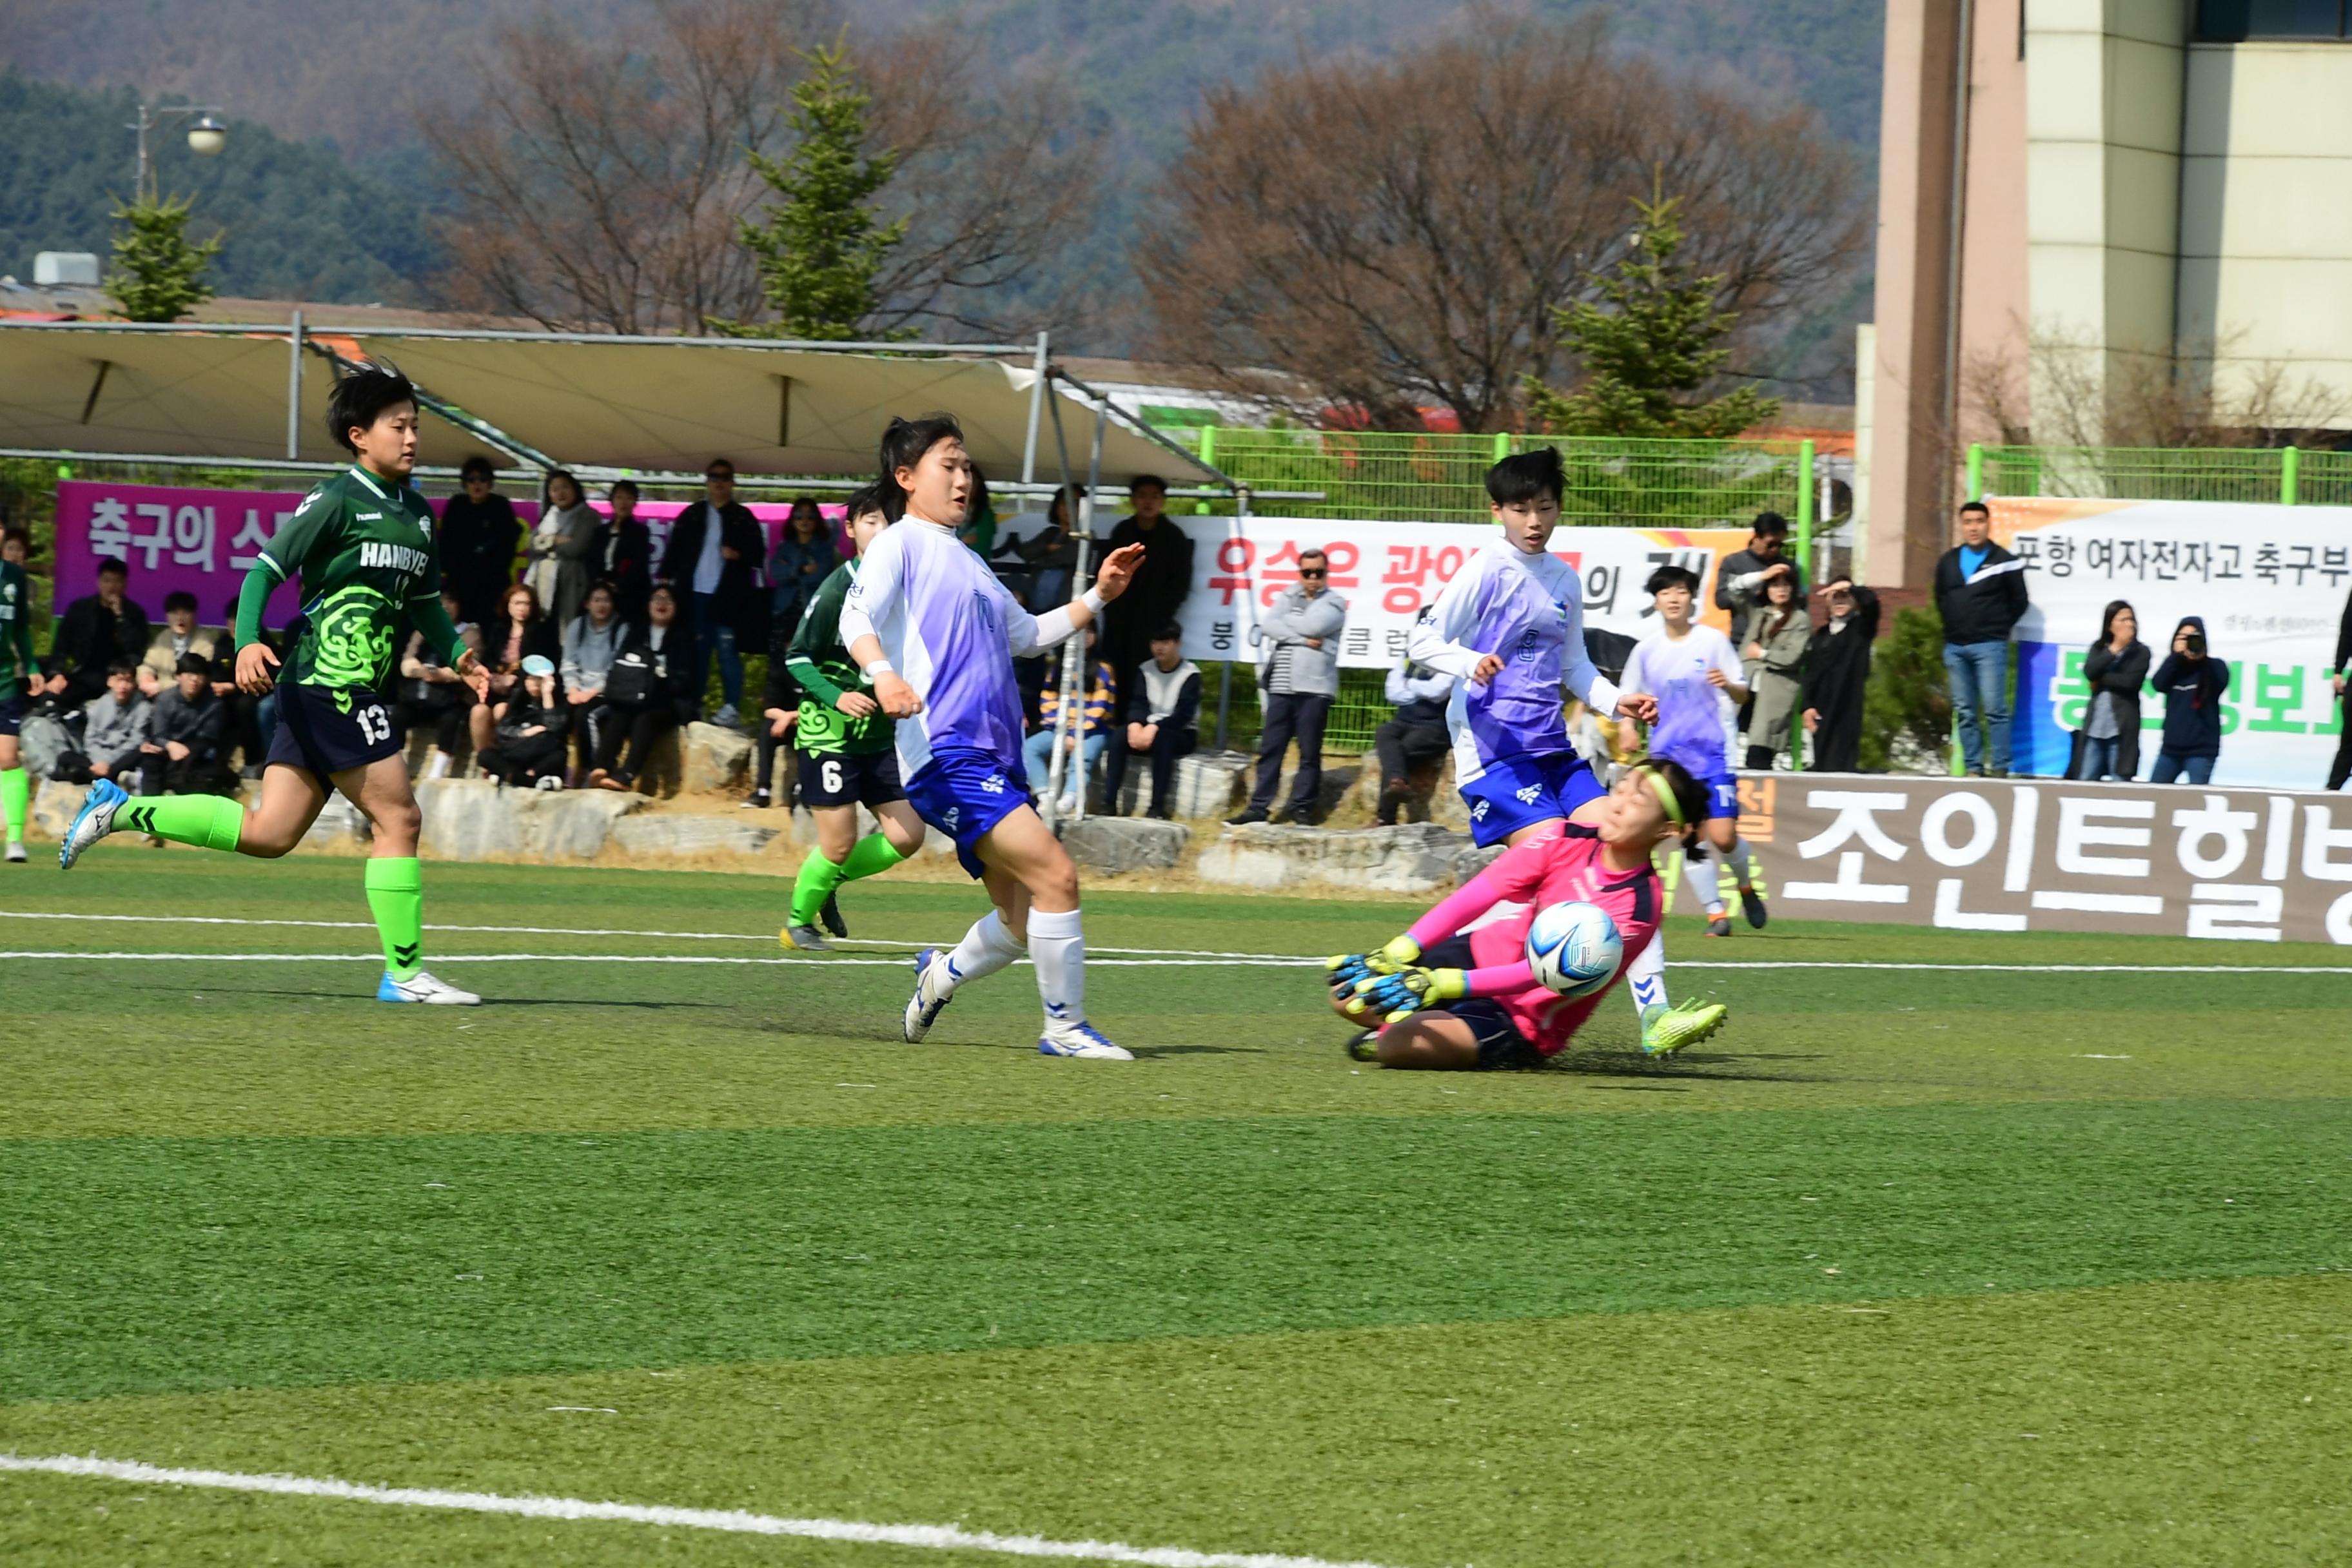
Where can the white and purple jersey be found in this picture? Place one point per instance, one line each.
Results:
(951, 632)
(1530, 610)
(1694, 717)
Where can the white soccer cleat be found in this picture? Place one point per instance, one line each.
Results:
(422, 987)
(1081, 1040)
(933, 969)
(93, 822)
(15, 851)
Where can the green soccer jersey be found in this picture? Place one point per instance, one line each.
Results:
(15, 629)
(363, 547)
(819, 662)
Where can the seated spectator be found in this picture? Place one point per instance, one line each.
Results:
(431, 692)
(114, 730)
(94, 633)
(589, 643)
(1414, 736)
(1837, 675)
(2193, 683)
(522, 630)
(1163, 722)
(1088, 732)
(186, 731)
(2107, 745)
(178, 634)
(249, 722)
(529, 731)
(650, 689)
(1773, 658)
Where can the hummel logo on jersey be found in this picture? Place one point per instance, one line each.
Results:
(994, 784)
(949, 816)
(1527, 796)
(399, 557)
(368, 517)
(1478, 812)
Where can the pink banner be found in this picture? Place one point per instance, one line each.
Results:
(204, 540)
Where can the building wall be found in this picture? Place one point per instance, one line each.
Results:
(1995, 308)
(2265, 272)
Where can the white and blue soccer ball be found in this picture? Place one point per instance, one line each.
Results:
(1574, 947)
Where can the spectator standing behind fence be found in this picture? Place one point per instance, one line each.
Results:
(2341, 768)
(1981, 594)
(1416, 735)
(1300, 631)
(2107, 745)
(590, 645)
(178, 637)
(714, 552)
(522, 631)
(647, 687)
(564, 547)
(1163, 722)
(626, 554)
(2193, 683)
(1773, 659)
(1746, 576)
(97, 632)
(1162, 584)
(479, 534)
(1837, 675)
(186, 729)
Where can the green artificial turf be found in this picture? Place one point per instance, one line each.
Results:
(1970, 1265)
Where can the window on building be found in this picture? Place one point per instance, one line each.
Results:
(2237, 21)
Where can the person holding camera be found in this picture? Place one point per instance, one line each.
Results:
(2341, 768)
(2193, 683)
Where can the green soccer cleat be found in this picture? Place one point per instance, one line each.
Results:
(1665, 1030)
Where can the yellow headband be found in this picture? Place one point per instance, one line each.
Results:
(1665, 794)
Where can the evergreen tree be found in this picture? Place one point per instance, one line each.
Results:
(157, 274)
(819, 247)
(1651, 351)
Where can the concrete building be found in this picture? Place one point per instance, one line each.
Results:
(2091, 212)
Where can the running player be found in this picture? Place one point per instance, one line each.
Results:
(362, 544)
(1511, 628)
(15, 672)
(848, 756)
(1695, 674)
(1457, 989)
(935, 631)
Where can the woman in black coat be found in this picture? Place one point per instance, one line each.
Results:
(1837, 672)
(2107, 745)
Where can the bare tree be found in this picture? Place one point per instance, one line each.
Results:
(1398, 235)
(2082, 396)
(599, 184)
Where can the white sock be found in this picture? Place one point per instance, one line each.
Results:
(1703, 878)
(1743, 863)
(1646, 977)
(1058, 949)
(438, 767)
(986, 948)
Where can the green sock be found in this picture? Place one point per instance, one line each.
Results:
(873, 854)
(395, 892)
(819, 877)
(14, 791)
(206, 821)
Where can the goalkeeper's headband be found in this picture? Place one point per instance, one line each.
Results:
(1665, 794)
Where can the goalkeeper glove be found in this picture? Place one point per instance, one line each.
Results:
(1347, 968)
(1411, 989)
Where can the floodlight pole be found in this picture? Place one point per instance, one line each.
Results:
(154, 120)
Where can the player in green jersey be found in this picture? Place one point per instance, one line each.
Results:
(848, 757)
(361, 546)
(16, 673)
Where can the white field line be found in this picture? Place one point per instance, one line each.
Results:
(937, 1537)
(1241, 960)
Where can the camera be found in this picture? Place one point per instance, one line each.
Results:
(2193, 642)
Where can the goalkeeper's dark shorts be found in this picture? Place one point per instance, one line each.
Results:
(1500, 1044)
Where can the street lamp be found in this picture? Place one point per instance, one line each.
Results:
(207, 137)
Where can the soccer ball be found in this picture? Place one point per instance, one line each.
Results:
(1574, 947)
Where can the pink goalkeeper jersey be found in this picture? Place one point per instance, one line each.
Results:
(1497, 905)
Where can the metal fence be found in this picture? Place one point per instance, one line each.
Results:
(2287, 476)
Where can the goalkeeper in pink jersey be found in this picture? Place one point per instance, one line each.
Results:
(1456, 990)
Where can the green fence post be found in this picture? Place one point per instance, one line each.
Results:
(1501, 444)
(1805, 513)
(1976, 471)
(2290, 475)
(1209, 459)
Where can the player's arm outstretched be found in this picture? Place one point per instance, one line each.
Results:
(1393, 982)
(1026, 635)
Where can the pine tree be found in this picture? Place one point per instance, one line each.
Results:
(819, 247)
(157, 274)
(1651, 351)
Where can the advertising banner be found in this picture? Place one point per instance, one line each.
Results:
(2270, 582)
(2227, 865)
(204, 540)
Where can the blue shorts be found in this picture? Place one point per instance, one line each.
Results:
(963, 795)
(1514, 792)
(1722, 792)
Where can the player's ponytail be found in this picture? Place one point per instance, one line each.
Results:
(903, 446)
(1672, 781)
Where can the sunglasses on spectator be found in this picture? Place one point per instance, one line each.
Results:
(1313, 572)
